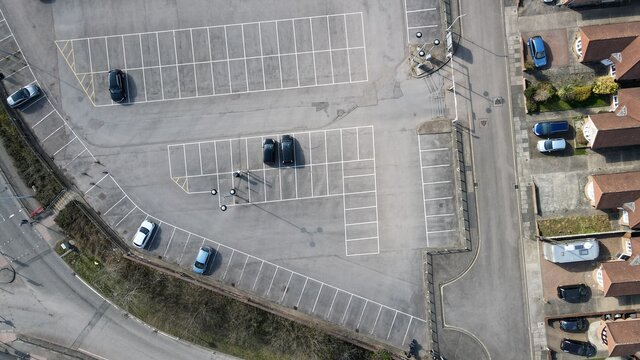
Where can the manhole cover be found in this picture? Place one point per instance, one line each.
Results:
(498, 101)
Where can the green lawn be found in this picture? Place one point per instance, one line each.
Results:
(557, 104)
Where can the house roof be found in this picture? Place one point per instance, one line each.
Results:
(614, 130)
(633, 211)
(600, 41)
(630, 97)
(628, 62)
(613, 190)
(623, 337)
(623, 279)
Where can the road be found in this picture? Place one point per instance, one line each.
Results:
(484, 307)
(47, 301)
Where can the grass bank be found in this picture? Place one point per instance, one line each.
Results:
(32, 171)
(191, 312)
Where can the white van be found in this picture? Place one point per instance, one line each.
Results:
(562, 252)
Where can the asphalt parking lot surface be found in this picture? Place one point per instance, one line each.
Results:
(221, 60)
(339, 233)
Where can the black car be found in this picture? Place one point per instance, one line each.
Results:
(287, 149)
(574, 293)
(576, 347)
(574, 325)
(117, 87)
(269, 151)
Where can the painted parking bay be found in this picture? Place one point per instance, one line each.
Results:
(338, 163)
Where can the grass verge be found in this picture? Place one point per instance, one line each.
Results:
(574, 225)
(557, 104)
(32, 171)
(192, 312)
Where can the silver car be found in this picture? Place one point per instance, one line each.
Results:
(552, 145)
(23, 95)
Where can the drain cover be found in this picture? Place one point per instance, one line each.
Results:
(498, 101)
(483, 121)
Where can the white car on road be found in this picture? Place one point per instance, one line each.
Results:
(144, 233)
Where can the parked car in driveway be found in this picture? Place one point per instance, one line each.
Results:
(117, 88)
(537, 52)
(576, 293)
(202, 260)
(575, 347)
(551, 145)
(574, 325)
(548, 128)
(23, 95)
(144, 233)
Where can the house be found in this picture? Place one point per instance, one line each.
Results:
(611, 191)
(621, 337)
(615, 45)
(619, 128)
(621, 277)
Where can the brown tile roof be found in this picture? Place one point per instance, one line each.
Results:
(620, 278)
(613, 190)
(634, 218)
(623, 337)
(628, 63)
(600, 41)
(615, 130)
(630, 97)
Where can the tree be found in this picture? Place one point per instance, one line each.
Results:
(605, 85)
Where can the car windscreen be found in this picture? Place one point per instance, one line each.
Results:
(144, 230)
(199, 265)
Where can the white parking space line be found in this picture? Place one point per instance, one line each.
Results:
(367, 187)
(54, 131)
(424, 195)
(437, 182)
(36, 124)
(438, 149)
(64, 146)
(436, 166)
(69, 53)
(117, 202)
(121, 220)
(419, 10)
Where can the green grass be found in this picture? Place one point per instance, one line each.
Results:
(579, 151)
(191, 312)
(574, 225)
(32, 171)
(557, 104)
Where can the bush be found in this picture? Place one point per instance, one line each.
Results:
(529, 91)
(532, 106)
(582, 93)
(544, 92)
(605, 85)
(528, 65)
(567, 93)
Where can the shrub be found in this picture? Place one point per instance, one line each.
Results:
(529, 91)
(582, 93)
(566, 93)
(528, 65)
(532, 106)
(544, 92)
(605, 85)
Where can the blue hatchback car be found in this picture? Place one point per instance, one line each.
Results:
(537, 52)
(202, 260)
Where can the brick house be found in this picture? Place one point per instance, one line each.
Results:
(621, 277)
(621, 337)
(619, 191)
(618, 128)
(615, 45)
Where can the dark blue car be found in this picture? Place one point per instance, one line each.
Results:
(537, 52)
(548, 128)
